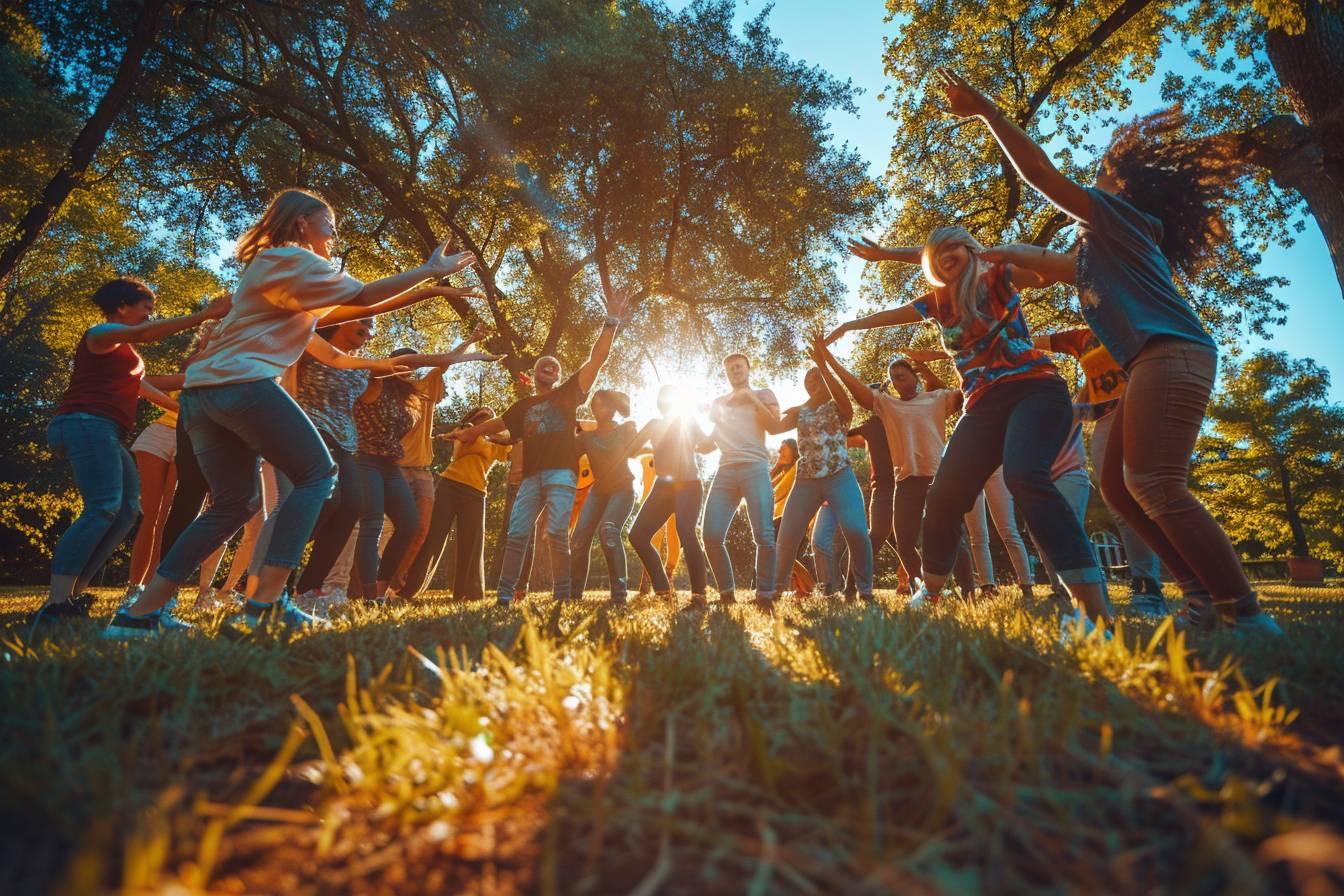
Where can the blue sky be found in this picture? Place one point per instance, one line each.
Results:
(845, 38)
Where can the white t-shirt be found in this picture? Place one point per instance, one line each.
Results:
(281, 295)
(739, 433)
(915, 429)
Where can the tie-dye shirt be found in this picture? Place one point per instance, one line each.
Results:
(984, 352)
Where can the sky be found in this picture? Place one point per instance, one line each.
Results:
(845, 38)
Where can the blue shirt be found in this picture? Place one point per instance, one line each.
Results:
(1125, 283)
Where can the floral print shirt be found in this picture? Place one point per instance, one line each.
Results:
(822, 450)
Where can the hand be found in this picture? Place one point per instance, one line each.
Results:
(441, 264)
(618, 301)
(218, 307)
(837, 333)
(963, 100)
(868, 250)
(456, 292)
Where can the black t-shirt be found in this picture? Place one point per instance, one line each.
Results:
(546, 424)
(609, 457)
(879, 452)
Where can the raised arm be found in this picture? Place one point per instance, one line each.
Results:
(1036, 168)
(597, 355)
(857, 387)
(926, 373)
(870, 251)
(817, 352)
(1034, 266)
(892, 317)
(103, 338)
(346, 313)
(444, 360)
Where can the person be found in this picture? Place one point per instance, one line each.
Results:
(741, 419)
(459, 500)
(783, 475)
(1153, 210)
(90, 426)
(228, 594)
(676, 492)
(546, 424)
(612, 494)
(824, 474)
(155, 453)
(237, 414)
(1017, 413)
(1104, 383)
(666, 539)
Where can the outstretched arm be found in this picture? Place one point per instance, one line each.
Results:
(892, 317)
(1030, 160)
(103, 338)
(857, 387)
(601, 349)
(151, 393)
(870, 251)
(439, 264)
(444, 360)
(346, 313)
(1034, 265)
(486, 428)
(331, 356)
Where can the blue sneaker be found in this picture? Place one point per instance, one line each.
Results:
(1076, 626)
(125, 627)
(281, 615)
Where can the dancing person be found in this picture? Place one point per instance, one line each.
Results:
(783, 474)
(229, 593)
(155, 453)
(676, 493)
(459, 500)
(1104, 383)
(824, 474)
(612, 495)
(741, 419)
(1017, 413)
(237, 414)
(546, 424)
(89, 428)
(666, 539)
(1154, 209)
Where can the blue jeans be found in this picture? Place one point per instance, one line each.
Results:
(604, 515)
(552, 490)
(1075, 486)
(830, 553)
(108, 484)
(732, 485)
(669, 497)
(232, 428)
(383, 491)
(1143, 563)
(841, 491)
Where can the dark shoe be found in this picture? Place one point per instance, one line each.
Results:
(60, 611)
(727, 597)
(1144, 585)
(990, 590)
(85, 600)
(765, 603)
(1153, 606)
(698, 604)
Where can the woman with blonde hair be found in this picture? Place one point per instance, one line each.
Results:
(237, 414)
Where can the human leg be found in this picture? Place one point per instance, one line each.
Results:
(618, 507)
(999, 502)
(802, 505)
(401, 507)
(558, 490)
(725, 494)
(652, 517)
(157, 480)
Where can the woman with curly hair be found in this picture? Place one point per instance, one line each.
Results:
(1155, 209)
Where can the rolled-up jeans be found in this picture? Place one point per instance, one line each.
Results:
(553, 491)
(732, 485)
(108, 484)
(840, 490)
(604, 515)
(232, 428)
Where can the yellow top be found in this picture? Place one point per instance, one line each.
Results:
(418, 444)
(783, 484)
(169, 418)
(472, 461)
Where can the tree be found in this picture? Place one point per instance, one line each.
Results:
(1271, 467)
(1056, 67)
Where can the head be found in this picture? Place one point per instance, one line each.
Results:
(669, 399)
(1184, 182)
(125, 300)
(815, 384)
(737, 368)
(350, 336)
(788, 452)
(546, 373)
(477, 415)
(903, 378)
(607, 403)
(400, 384)
(294, 217)
(951, 261)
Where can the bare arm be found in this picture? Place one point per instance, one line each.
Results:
(487, 428)
(167, 382)
(870, 251)
(103, 338)
(766, 412)
(597, 356)
(1033, 265)
(926, 373)
(331, 356)
(439, 264)
(857, 387)
(892, 317)
(447, 360)
(149, 392)
(346, 313)
(1030, 160)
(787, 420)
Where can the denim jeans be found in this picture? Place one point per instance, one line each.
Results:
(553, 491)
(232, 428)
(604, 515)
(384, 492)
(455, 504)
(999, 502)
(829, 552)
(1020, 424)
(841, 491)
(668, 498)
(108, 484)
(1075, 486)
(1143, 562)
(732, 485)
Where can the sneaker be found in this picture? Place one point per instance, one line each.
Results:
(125, 627)
(281, 614)
(504, 602)
(727, 597)
(922, 599)
(59, 611)
(1145, 603)
(1076, 626)
(698, 604)
(1261, 625)
(765, 602)
(868, 598)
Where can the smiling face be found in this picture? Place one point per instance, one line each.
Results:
(738, 371)
(603, 409)
(318, 231)
(814, 384)
(546, 373)
(950, 261)
(135, 313)
(352, 336)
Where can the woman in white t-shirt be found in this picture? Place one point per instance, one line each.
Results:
(237, 413)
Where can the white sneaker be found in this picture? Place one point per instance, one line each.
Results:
(132, 595)
(1076, 626)
(922, 599)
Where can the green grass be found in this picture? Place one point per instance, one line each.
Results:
(445, 747)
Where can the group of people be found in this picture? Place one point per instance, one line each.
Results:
(279, 427)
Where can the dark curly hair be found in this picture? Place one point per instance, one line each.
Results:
(116, 294)
(1184, 182)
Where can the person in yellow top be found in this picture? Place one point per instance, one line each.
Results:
(666, 541)
(459, 498)
(782, 476)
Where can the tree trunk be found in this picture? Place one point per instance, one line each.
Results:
(1300, 546)
(87, 144)
(1310, 66)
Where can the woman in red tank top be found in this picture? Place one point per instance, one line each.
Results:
(89, 430)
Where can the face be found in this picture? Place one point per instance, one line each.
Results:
(546, 372)
(813, 383)
(1106, 181)
(905, 382)
(136, 312)
(352, 336)
(950, 261)
(603, 410)
(737, 370)
(318, 232)
(786, 453)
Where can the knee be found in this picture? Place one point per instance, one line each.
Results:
(609, 534)
(1156, 493)
(715, 540)
(1026, 483)
(321, 481)
(765, 537)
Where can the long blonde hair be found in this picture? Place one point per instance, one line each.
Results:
(280, 224)
(969, 291)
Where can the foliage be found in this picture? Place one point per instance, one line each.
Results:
(1271, 465)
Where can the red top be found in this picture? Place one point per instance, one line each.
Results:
(107, 385)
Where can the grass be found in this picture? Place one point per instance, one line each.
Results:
(458, 748)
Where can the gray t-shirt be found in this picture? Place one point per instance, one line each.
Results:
(1125, 283)
(739, 432)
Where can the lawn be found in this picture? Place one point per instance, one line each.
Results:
(443, 747)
